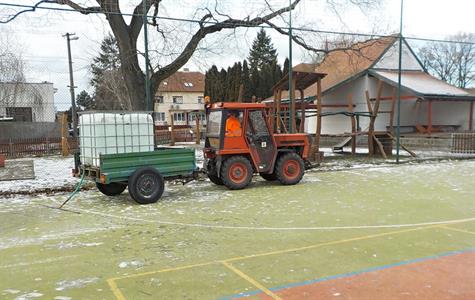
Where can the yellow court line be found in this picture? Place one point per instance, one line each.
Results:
(119, 296)
(251, 280)
(365, 237)
(456, 229)
(115, 290)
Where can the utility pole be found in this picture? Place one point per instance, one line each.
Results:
(71, 37)
(291, 99)
(148, 97)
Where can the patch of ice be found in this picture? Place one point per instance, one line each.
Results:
(133, 263)
(29, 296)
(77, 283)
(11, 291)
(62, 298)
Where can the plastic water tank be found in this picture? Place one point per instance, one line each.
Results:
(110, 133)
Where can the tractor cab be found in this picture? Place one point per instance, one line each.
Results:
(240, 141)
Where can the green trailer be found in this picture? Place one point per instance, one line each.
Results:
(144, 173)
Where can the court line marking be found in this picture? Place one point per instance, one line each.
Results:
(251, 280)
(119, 296)
(456, 229)
(350, 274)
(323, 228)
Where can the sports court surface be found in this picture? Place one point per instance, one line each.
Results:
(405, 232)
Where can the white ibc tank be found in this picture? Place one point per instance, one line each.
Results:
(110, 133)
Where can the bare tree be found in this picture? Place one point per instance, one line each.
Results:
(212, 21)
(451, 62)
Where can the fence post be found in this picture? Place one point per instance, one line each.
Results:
(172, 130)
(198, 134)
(11, 150)
(64, 134)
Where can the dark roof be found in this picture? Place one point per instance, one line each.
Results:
(304, 74)
(183, 82)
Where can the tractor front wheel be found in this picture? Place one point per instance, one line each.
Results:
(111, 189)
(236, 172)
(289, 168)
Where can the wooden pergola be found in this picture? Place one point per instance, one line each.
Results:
(302, 78)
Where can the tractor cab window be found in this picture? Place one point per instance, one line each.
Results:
(233, 123)
(214, 123)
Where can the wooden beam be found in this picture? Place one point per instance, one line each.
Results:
(319, 116)
(64, 134)
(370, 129)
(391, 116)
(293, 126)
(380, 146)
(353, 124)
(429, 117)
(277, 114)
(198, 133)
(302, 108)
(241, 93)
(390, 98)
(470, 119)
(172, 129)
(402, 146)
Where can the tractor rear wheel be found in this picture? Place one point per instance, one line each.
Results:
(111, 189)
(236, 172)
(289, 168)
(146, 185)
(212, 173)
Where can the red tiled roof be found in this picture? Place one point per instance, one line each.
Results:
(183, 82)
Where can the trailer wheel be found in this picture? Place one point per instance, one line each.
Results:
(236, 172)
(111, 189)
(289, 168)
(269, 177)
(146, 185)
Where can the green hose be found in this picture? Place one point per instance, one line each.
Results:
(76, 190)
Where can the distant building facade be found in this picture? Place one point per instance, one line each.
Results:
(27, 102)
(181, 97)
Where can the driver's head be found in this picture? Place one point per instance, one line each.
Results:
(233, 113)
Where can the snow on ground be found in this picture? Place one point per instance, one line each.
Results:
(50, 173)
(54, 173)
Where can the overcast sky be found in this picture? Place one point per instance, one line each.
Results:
(39, 34)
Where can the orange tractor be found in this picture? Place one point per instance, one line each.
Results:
(240, 141)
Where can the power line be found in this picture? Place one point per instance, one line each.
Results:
(30, 8)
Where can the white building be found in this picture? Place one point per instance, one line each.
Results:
(182, 97)
(428, 105)
(27, 102)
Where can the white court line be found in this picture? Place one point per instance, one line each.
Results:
(211, 226)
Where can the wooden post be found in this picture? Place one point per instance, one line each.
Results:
(370, 130)
(172, 129)
(277, 113)
(241, 93)
(293, 126)
(429, 117)
(64, 134)
(302, 107)
(319, 117)
(198, 133)
(353, 124)
(391, 116)
(470, 118)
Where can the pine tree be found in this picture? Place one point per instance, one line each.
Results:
(85, 101)
(262, 51)
(246, 81)
(286, 66)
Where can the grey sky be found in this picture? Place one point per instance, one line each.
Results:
(44, 49)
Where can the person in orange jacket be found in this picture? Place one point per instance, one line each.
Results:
(233, 125)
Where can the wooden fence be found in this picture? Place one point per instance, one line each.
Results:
(16, 148)
(463, 143)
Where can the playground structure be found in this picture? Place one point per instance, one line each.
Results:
(304, 76)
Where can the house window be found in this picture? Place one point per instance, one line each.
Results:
(192, 117)
(160, 116)
(201, 99)
(177, 99)
(179, 117)
(158, 99)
